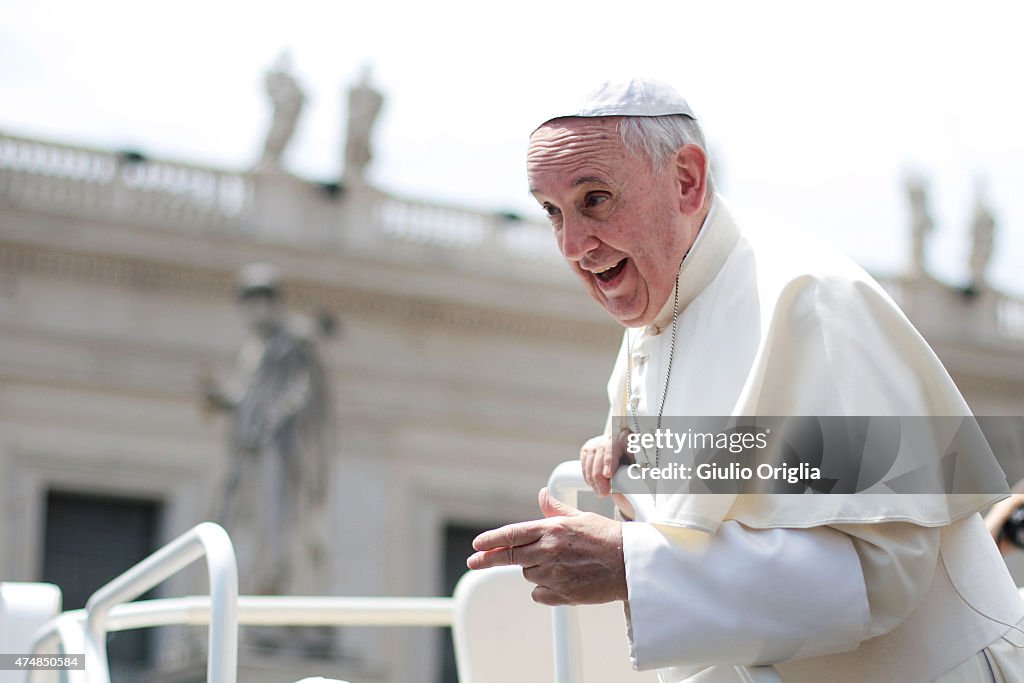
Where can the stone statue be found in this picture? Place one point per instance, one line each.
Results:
(921, 223)
(364, 104)
(287, 100)
(982, 236)
(273, 502)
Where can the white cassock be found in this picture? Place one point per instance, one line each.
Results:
(838, 588)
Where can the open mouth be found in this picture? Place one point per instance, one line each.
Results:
(610, 273)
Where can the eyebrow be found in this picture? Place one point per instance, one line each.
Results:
(588, 179)
(582, 180)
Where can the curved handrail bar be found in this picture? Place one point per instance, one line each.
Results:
(56, 634)
(565, 483)
(207, 540)
(253, 610)
(67, 630)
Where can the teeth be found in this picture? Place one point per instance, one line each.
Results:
(598, 272)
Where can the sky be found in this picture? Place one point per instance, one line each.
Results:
(814, 111)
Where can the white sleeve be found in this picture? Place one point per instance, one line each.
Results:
(741, 596)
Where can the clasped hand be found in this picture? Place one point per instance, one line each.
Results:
(599, 458)
(573, 557)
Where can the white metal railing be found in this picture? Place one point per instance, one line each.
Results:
(69, 629)
(253, 610)
(565, 483)
(108, 610)
(205, 540)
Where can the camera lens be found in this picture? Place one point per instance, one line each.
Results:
(1013, 529)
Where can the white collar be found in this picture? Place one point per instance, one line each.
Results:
(715, 239)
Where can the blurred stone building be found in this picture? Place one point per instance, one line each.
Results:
(466, 363)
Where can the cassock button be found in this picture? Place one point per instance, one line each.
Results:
(639, 358)
(634, 401)
(653, 330)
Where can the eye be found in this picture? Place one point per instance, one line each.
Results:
(595, 198)
(550, 210)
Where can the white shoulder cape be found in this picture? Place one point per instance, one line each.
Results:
(775, 324)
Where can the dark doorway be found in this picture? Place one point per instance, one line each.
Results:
(458, 545)
(89, 540)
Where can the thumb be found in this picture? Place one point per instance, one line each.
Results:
(552, 507)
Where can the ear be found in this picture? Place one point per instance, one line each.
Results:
(691, 178)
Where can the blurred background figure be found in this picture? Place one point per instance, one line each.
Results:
(272, 501)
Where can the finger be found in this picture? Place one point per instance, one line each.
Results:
(622, 449)
(607, 459)
(510, 535)
(546, 596)
(526, 556)
(499, 557)
(596, 475)
(586, 463)
(606, 468)
(602, 482)
(609, 463)
(552, 507)
(532, 574)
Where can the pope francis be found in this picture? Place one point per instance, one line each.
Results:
(728, 316)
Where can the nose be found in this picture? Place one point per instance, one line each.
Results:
(576, 239)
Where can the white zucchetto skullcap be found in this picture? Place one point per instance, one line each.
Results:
(633, 97)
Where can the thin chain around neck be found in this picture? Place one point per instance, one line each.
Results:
(668, 374)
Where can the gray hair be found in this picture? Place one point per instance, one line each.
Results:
(659, 137)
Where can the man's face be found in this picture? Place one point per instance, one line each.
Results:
(622, 226)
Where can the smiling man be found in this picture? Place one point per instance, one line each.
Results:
(621, 226)
(726, 318)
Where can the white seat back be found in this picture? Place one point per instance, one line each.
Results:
(501, 634)
(24, 607)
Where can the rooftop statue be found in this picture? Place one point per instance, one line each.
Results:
(921, 223)
(364, 104)
(287, 100)
(982, 237)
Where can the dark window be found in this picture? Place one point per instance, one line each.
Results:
(88, 541)
(458, 545)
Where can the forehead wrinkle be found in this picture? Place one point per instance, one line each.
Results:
(567, 152)
(571, 144)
